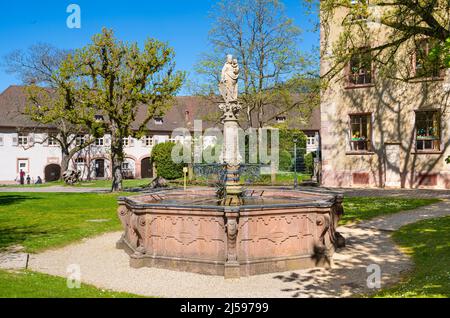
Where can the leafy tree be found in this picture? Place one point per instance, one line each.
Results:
(165, 166)
(273, 70)
(117, 79)
(50, 101)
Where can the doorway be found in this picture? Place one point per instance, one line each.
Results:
(392, 164)
(146, 168)
(52, 173)
(100, 168)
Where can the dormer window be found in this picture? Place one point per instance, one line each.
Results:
(280, 119)
(23, 139)
(159, 120)
(98, 118)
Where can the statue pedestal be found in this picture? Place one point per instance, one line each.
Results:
(232, 157)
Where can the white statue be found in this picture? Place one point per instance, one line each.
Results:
(228, 85)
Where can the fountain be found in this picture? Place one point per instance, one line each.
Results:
(231, 232)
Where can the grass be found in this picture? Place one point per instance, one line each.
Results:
(129, 183)
(26, 284)
(428, 243)
(357, 209)
(42, 220)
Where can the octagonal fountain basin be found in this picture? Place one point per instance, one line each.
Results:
(272, 231)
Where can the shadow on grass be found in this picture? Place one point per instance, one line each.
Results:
(17, 235)
(11, 199)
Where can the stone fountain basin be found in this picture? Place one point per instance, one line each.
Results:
(275, 230)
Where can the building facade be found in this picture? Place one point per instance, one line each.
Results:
(28, 147)
(379, 132)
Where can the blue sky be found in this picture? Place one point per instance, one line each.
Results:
(184, 24)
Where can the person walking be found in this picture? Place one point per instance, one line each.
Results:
(22, 177)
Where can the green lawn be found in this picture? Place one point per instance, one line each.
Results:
(428, 243)
(41, 220)
(131, 183)
(26, 284)
(364, 208)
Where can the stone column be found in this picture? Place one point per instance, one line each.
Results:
(231, 156)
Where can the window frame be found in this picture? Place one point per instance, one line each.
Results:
(368, 148)
(435, 141)
(439, 71)
(23, 137)
(350, 74)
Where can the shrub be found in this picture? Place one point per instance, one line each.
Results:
(285, 161)
(165, 166)
(309, 163)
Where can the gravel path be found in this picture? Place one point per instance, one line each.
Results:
(368, 243)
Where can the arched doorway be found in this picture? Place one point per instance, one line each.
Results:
(146, 168)
(52, 172)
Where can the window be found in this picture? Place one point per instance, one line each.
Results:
(427, 131)
(100, 141)
(80, 140)
(98, 118)
(23, 139)
(311, 140)
(126, 142)
(126, 166)
(159, 120)
(361, 132)
(426, 65)
(360, 68)
(148, 141)
(51, 141)
(280, 119)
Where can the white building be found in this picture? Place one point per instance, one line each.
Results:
(24, 145)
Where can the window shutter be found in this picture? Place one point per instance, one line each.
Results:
(143, 142)
(131, 142)
(31, 139)
(1, 140)
(107, 141)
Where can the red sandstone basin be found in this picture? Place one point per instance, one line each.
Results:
(275, 230)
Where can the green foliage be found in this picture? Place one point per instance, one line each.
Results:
(27, 284)
(44, 220)
(165, 166)
(428, 243)
(287, 137)
(115, 79)
(286, 162)
(309, 162)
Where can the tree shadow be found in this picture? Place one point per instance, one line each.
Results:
(10, 199)
(17, 235)
(349, 273)
(392, 105)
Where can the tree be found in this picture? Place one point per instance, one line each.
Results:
(264, 40)
(51, 103)
(117, 79)
(401, 24)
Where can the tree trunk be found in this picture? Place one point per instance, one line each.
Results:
(117, 175)
(117, 158)
(65, 160)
